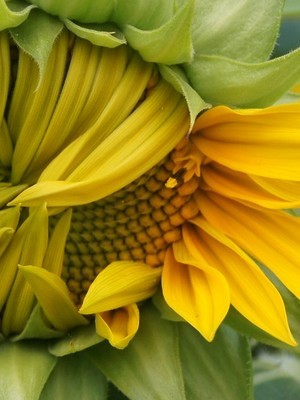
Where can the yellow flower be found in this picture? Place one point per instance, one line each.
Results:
(215, 205)
(109, 139)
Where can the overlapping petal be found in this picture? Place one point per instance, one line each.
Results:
(265, 192)
(269, 236)
(263, 142)
(195, 290)
(264, 309)
(129, 151)
(53, 296)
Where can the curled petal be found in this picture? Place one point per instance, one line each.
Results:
(118, 326)
(53, 296)
(197, 292)
(120, 284)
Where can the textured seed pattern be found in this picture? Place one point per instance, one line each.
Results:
(137, 223)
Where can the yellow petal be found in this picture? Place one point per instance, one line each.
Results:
(6, 146)
(54, 255)
(195, 291)
(269, 236)
(118, 326)
(262, 142)
(37, 107)
(257, 190)
(9, 192)
(9, 219)
(120, 284)
(53, 296)
(27, 245)
(263, 306)
(287, 190)
(21, 299)
(120, 159)
(9, 261)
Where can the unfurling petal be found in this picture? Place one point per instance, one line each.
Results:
(53, 296)
(121, 283)
(269, 236)
(118, 326)
(262, 142)
(197, 292)
(265, 192)
(265, 308)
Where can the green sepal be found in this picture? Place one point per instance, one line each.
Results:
(176, 77)
(218, 370)
(75, 377)
(107, 35)
(83, 11)
(76, 340)
(37, 35)
(289, 98)
(291, 8)
(221, 80)
(276, 376)
(170, 43)
(37, 327)
(149, 367)
(24, 369)
(14, 13)
(244, 31)
(161, 37)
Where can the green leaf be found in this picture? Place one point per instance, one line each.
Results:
(149, 368)
(217, 370)
(13, 14)
(244, 30)
(75, 378)
(36, 36)
(221, 80)
(76, 340)
(24, 369)
(277, 376)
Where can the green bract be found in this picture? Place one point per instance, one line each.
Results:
(223, 50)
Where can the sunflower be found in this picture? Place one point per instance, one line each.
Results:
(118, 181)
